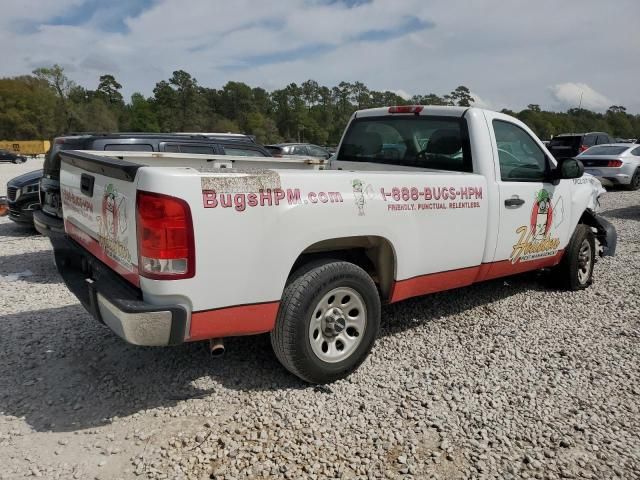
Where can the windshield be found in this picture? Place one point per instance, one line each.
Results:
(417, 141)
(605, 150)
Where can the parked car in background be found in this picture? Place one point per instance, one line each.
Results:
(615, 164)
(567, 145)
(49, 219)
(22, 197)
(9, 156)
(300, 149)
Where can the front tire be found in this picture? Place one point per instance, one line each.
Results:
(575, 271)
(328, 321)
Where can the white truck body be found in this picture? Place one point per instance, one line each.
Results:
(253, 221)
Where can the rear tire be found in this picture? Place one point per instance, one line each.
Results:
(635, 181)
(575, 271)
(328, 321)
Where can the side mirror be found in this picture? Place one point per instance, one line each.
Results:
(569, 168)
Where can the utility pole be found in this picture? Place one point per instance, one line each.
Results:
(580, 106)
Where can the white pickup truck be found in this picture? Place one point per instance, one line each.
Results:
(170, 248)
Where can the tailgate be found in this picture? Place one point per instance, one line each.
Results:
(98, 203)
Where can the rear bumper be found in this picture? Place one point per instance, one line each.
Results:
(611, 175)
(116, 303)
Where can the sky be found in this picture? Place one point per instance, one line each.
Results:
(510, 53)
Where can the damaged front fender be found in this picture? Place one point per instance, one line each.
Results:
(605, 232)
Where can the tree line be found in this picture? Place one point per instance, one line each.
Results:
(47, 103)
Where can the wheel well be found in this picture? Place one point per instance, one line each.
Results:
(375, 255)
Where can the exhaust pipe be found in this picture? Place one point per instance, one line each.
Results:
(216, 347)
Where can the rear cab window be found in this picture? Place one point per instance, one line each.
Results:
(128, 147)
(565, 141)
(605, 150)
(189, 148)
(421, 141)
(243, 152)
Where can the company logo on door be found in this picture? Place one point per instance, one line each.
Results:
(536, 240)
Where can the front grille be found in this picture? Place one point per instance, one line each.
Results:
(11, 193)
(14, 212)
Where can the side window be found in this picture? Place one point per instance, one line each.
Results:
(603, 139)
(317, 151)
(197, 149)
(299, 150)
(172, 148)
(128, 147)
(636, 152)
(589, 140)
(243, 152)
(521, 159)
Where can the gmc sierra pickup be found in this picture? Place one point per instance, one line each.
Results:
(166, 250)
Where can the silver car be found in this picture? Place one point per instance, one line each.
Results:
(614, 164)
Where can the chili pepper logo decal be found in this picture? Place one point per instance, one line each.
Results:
(112, 224)
(541, 215)
(361, 192)
(535, 240)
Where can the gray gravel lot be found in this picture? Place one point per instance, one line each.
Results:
(507, 379)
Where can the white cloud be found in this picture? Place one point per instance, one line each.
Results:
(571, 95)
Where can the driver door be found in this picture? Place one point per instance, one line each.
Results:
(534, 212)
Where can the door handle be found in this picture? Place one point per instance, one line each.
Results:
(513, 202)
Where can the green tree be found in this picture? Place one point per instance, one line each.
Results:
(27, 108)
(461, 96)
(109, 90)
(141, 115)
(185, 100)
(56, 79)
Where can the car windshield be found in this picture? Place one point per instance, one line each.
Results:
(416, 141)
(605, 150)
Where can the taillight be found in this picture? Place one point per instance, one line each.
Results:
(406, 109)
(166, 248)
(583, 148)
(614, 163)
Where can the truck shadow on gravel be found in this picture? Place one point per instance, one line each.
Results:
(38, 265)
(62, 371)
(12, 229)
(626, 213)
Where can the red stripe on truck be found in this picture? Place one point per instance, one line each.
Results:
(441, 281)
(233, 321)
(261, 317)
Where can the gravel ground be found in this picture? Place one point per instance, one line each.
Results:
(507, 379)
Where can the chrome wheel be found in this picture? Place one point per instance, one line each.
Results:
(337, 325)
(584, 262)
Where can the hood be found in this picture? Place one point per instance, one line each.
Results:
(25, 179)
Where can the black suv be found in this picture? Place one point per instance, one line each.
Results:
(569, 145)
(48, 220)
